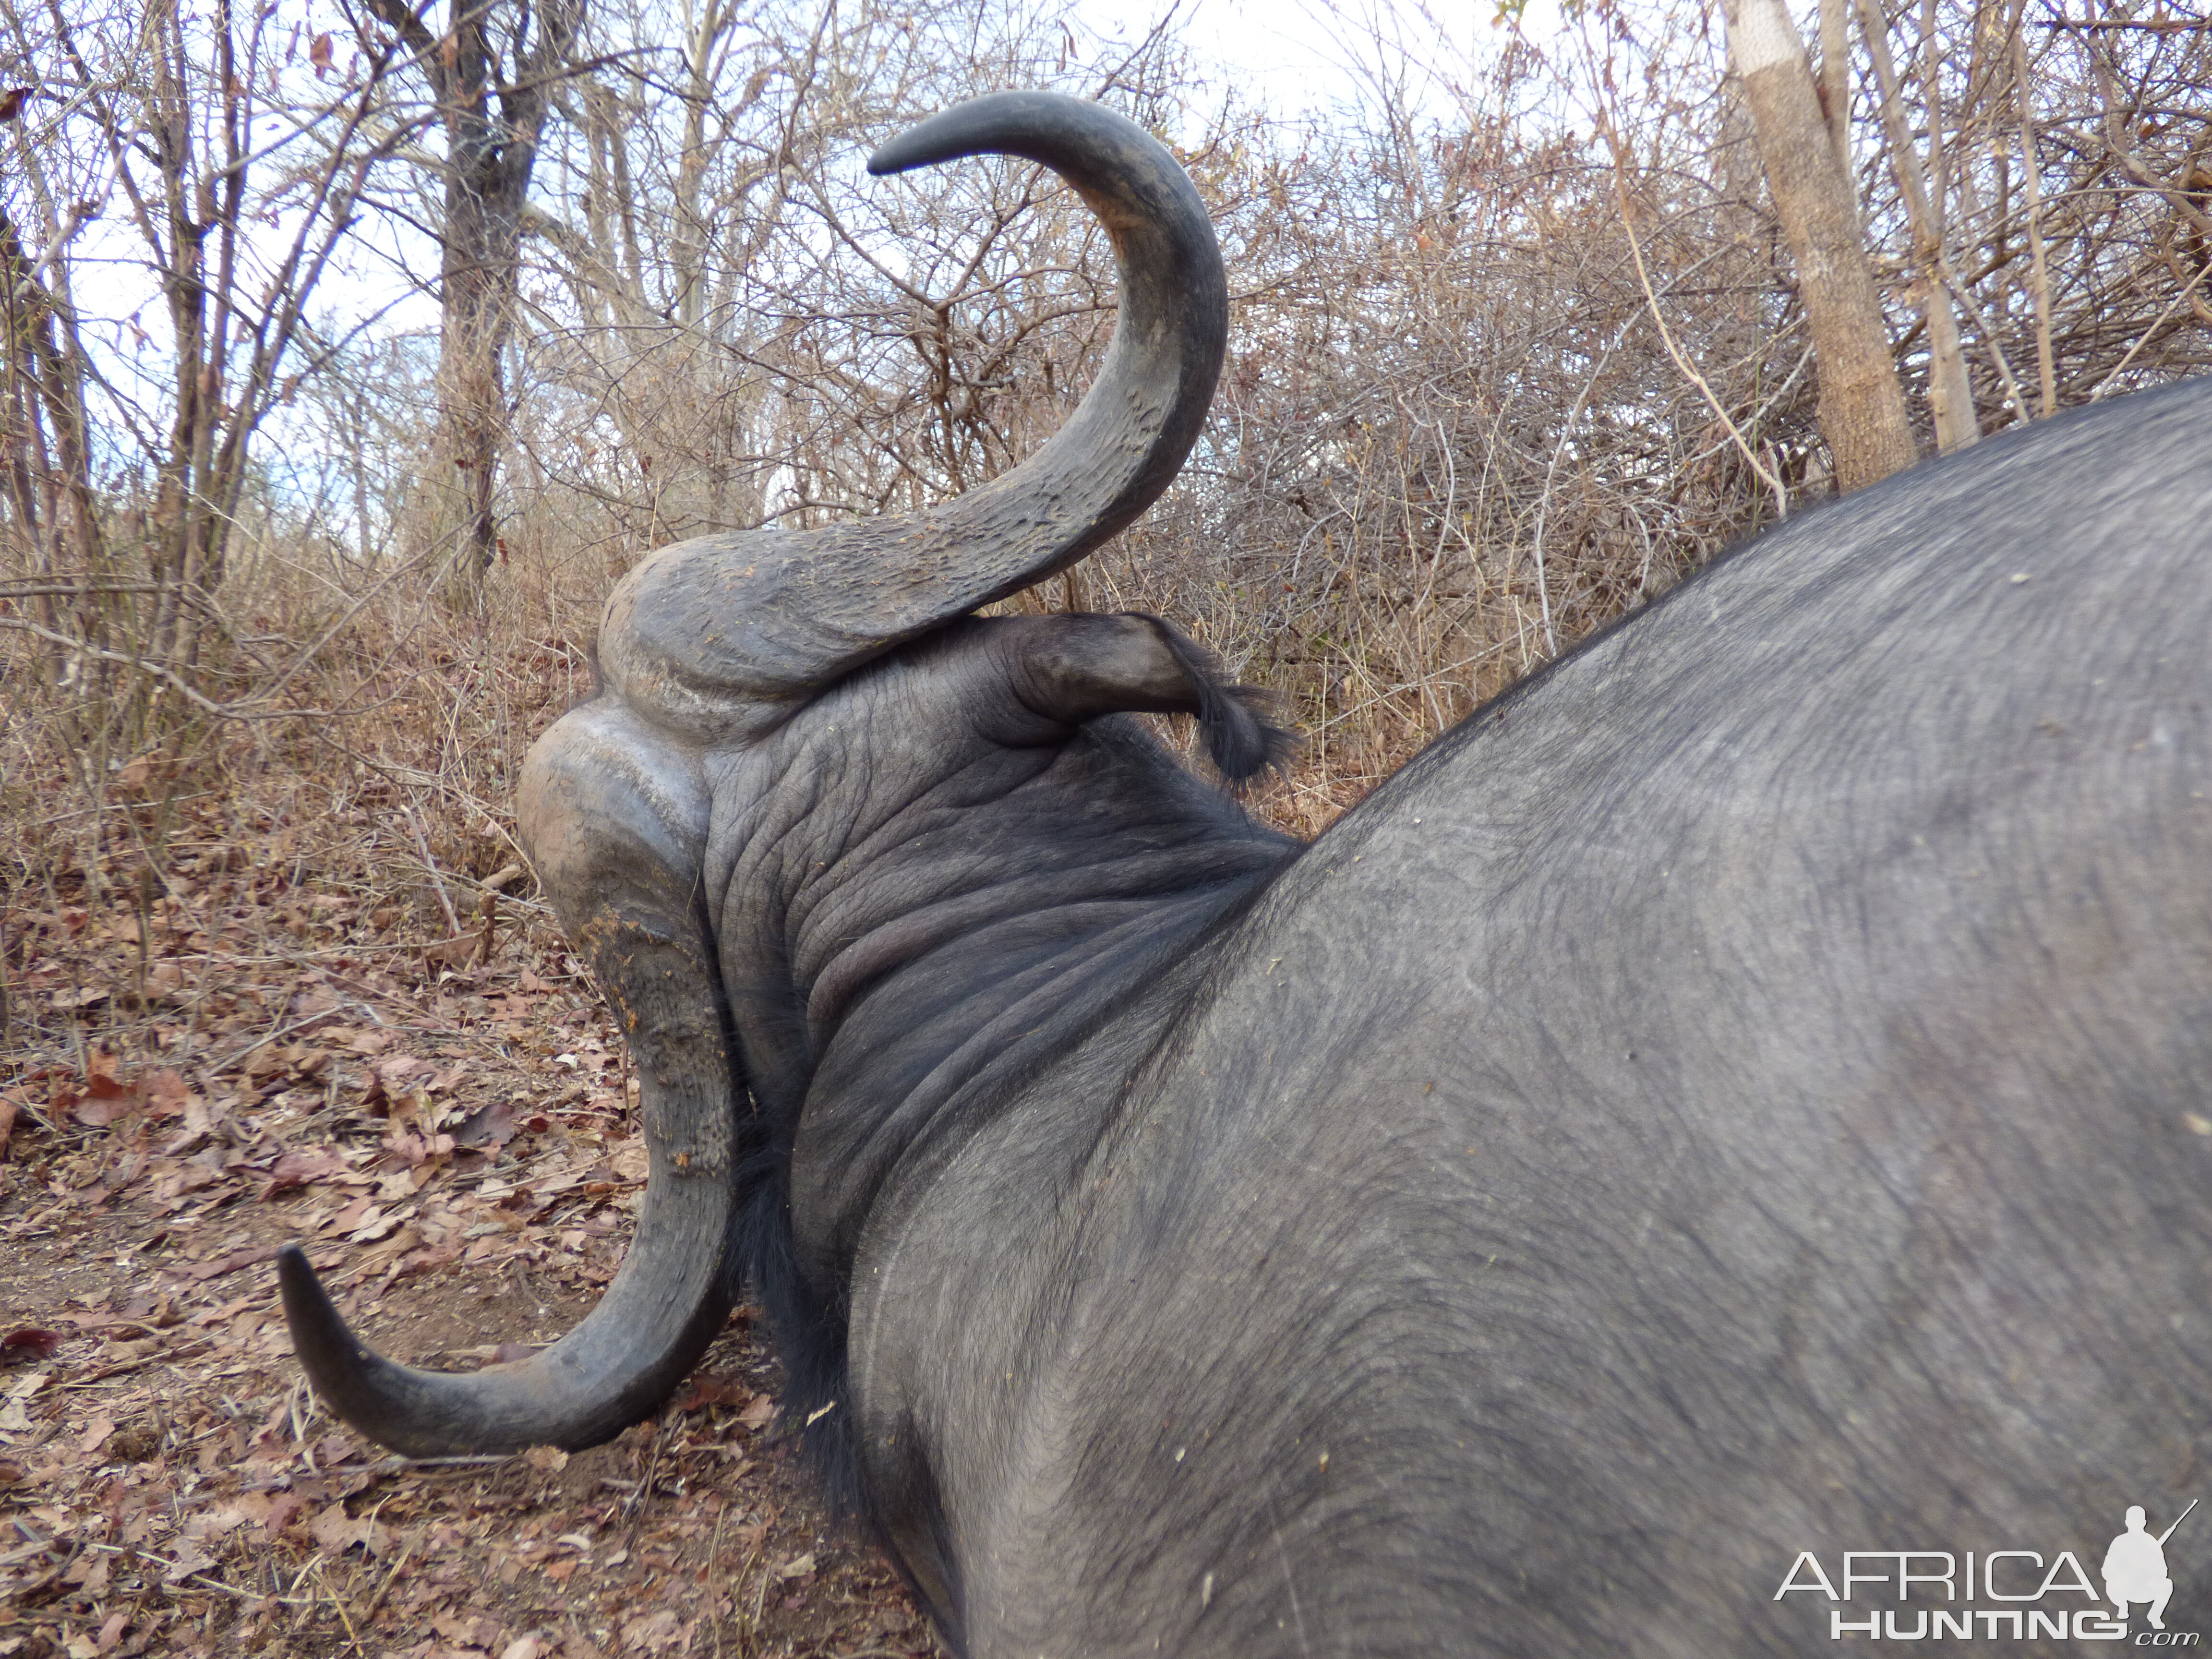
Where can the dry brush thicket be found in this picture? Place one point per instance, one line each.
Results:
(1495, 375)
(1515, 341)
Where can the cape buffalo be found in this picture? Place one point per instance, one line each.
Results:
(1741, 1097)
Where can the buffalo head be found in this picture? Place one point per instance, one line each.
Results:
(814, 796)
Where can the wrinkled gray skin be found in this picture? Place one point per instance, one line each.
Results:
(1744, 1091)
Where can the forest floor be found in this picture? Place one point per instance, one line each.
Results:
(230, 1034)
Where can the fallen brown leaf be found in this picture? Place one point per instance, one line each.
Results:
(97, 1112)
(704, 1389)
(232, 1262)
(165, 1093)
(653, 1631)
(267, 1061)
(339, 1532)
(387, 1081)
(98, 1098)
(310, 1002)
(456, 952)
(298, 1168)
(284, 1509)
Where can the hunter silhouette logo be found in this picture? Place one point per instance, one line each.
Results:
(1999, 1595)
(2135, 1566)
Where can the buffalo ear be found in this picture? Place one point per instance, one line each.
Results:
(1076, 668)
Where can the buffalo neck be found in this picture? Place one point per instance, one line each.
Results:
(922, 947)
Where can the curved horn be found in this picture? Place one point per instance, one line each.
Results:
(705, 628)
(615, 818)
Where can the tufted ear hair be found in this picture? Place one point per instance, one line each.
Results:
(1076, 668)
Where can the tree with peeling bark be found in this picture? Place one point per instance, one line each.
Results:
(491, 73)
(1861, 403)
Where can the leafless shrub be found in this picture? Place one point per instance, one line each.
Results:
(1515, 345)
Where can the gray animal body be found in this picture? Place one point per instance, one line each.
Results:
(1744, 1091)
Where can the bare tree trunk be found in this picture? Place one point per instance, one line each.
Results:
(49, 462)
(688, 252)
(490, 156)
(1861, 404)
(1836, 84)
(2039, 269)
(1950, 395)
